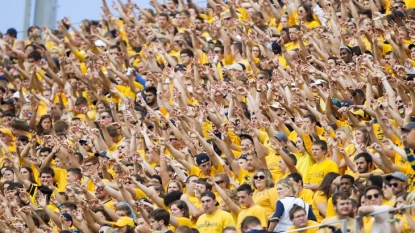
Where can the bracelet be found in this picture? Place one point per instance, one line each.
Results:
(393, 220)
(384, 78)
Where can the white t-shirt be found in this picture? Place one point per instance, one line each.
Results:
(379, 223)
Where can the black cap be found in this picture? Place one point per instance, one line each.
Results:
(12, 32)
(276, 48)
(202, 158)
(209, 194)
(9, 101)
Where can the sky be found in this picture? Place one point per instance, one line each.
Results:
(13, 12)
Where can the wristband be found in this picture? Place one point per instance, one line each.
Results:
(384, 78)
(407, 150)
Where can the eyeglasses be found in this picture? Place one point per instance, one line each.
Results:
(396, 7)
(394, 184)
(259, 177)
(369, 197)
(103, 117)
(219, 181)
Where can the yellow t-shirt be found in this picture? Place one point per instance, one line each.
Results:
(304, 161)
(319, 197)
(405, 226)
(267, 199)
(338, 225)
(244, 177)
(214, 223)
(272, 163)
(182, 221)
(196, 171)
(316, 173)
(256, 211)
(309, 224)
(330, 211)
(307, 196)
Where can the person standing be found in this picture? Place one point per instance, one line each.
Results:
(245, 194)
(214, 219)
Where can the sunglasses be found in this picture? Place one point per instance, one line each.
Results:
(259, 177)
(399, 101)
(219, 181)
(103, 117)
(369, 197)
(394, 185)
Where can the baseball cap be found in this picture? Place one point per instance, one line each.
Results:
(16, 95)
(122, 222)
(100, 43)
(103, 153)
(180, 68)
(235, 66)
(358, 112)
(276, 105)
(67, 216)
(9, 102)
(11, 32)
(409, 126)
(209, 194)
(397, 175)
(23, 138)
(319, 81)
(202, 158)
(276, 48)
(281, 136)
(6, 131)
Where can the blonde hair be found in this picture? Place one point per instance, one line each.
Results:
(409, 200)
(346, 130)
(288, 183)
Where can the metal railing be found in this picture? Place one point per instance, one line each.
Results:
(379, 212)
(343, 221)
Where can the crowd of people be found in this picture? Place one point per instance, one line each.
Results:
(235, 116)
